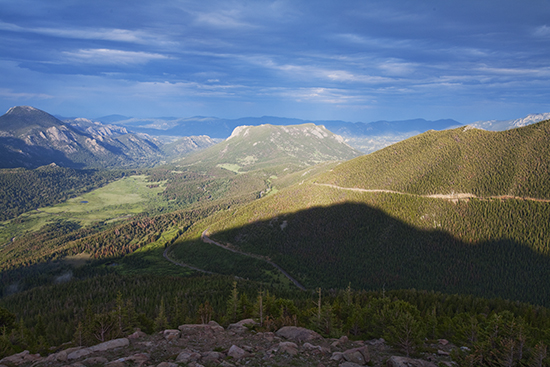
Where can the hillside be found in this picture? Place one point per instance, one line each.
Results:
(464, 160)
(327, 232)
(278, 148)
(31, 138)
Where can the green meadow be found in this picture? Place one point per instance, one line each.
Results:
(118, 200)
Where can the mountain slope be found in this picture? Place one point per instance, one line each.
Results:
(329, 236)
(31, 138)
(465, 160)
(290, 147)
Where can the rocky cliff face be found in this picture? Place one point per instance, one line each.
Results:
(238, 345)
(31, 138)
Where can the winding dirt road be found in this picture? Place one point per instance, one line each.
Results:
(206, 239)
(165, 254)
(455, 197)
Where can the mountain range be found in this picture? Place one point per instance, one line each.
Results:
(418, 230)
(31, 138)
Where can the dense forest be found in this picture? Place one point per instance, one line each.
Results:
(464, 160)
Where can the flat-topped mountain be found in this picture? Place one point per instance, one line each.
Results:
(287, 147)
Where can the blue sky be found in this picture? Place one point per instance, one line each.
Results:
(348, 60)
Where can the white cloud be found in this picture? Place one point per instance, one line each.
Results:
(10, 94)
(105, 34)
(542, 31)
(222, 19)
(104, 56)
(321, 95)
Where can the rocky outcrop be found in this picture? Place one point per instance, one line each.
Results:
(408, 362)
(298, 334)
(210, 345)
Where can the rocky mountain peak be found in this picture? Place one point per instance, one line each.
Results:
(22, 109)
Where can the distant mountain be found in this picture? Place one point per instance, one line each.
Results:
(366, 137)
(112, 118)
(222, 128)
(186, 145)
(501, 125)
(287, 147)
(31, 138)
(96, 128)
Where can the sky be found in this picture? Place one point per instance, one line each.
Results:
(349, 60)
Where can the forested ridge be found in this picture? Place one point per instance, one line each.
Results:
(328, 237)
(464, 160)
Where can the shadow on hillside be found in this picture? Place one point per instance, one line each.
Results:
(332, 247)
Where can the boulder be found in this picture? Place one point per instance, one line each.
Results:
(408, 362)
(139, 359)
(111, 344)
(95, 360)
(349, 364)
(21, 358)
(62, 356)
(137, 334)
(78, 353)
(187, 356)
(288, 347)
(315, 348)
(298, 334)
(171, 334)
(359, 356)
(240, 327)
(203, 329)
(212, 356)
(117, 363)
(237, 352)
(167, 364)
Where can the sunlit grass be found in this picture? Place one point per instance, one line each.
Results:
(117, 200)
(230, 167)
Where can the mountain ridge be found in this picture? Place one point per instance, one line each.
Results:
(30, 138)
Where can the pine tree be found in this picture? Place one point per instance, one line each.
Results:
(205, 312)
(233, 304)
(161, 321)
(406, 332)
